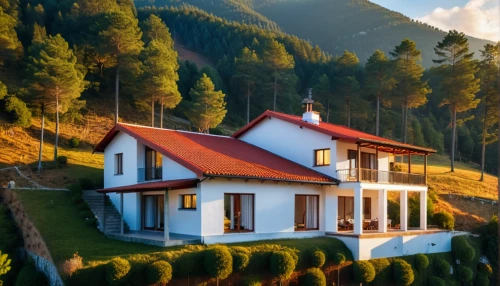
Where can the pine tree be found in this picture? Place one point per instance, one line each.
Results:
(10, 47)
(379, 81)
(159, 78)
(119, 36)
(154, 28)
(490, 80)
(458, 83)
(278, 61)
(54, 77)
(346, 84)
(207, 107)
(322, 90)
(410, 91)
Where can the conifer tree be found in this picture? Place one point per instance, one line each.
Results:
(119, 36)
(322, 90)
(458, 84)
(410, 91)
(490, 80)
(207, 107)
(10, 47)
(379, 82)
(154, 28)
(278, 61)
(346, 84)
(54, 77)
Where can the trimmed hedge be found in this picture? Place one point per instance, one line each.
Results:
(338, 258)
(317, 258)
(241, 258)
(159, 272)
(482, 280)
(444, 220)
(442, 268)
(421, 262)
(116, 269)
(436, 281)
(383, 271)
(403, 273)
(282, 264)
(363, 271)
(485, 269)
(218, 262)
(251, 280)
(462, 249)
(464, 273)
(314, 277)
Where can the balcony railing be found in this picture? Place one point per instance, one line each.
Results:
(149, 174)
(370, 175)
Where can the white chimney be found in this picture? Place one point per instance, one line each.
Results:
(310, 116)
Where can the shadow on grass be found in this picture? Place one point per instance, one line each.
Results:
(62, 176)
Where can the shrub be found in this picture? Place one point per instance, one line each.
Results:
(363, 271)
(191, 263)
(241, 258)
(314, 277)
(30, 276)
(159, 272)
(251, 280)
(116, 269)
(18, 111)
(218, 262)
(482, 280)
(485, 269)
(442, 267)
(383, 271)
(4, 263)
(71, 265)
(74, 142)
(403, 273)
(464, 273)
(317, 258)
(62, 161)
(338, 258)
(444, 220)
(436, 281)
(421, 261)
(282, 264)
(462, 249)
(86, 183)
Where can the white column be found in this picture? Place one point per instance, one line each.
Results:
(382, 210)
(231, 212)
(166, 228)
(403, 207)
(423, 210)
(358, 210)
(331, 211)
(122, 225)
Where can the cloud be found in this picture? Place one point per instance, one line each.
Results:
(478, 18)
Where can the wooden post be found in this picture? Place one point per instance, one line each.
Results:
(103, 212)
(425, 168)
(409, 162)
(166, 228)
(376, 161)
(122, 224)
(358, 162)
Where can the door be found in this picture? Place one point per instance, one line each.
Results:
(153, 212)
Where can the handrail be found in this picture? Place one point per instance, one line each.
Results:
(373, 175)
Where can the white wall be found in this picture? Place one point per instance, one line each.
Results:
(273, 134)
(173, 171)
(122, 143)
(273, 210)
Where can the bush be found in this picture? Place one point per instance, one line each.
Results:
(30, 276)
(482, 280)
(86, 183)
(464, 273)
(116, 269)
(444, 220)
(241, 258)
(383, 271)
(485, 269)
(363, 271)
(18, 111)
(403, 273)
(282, 264)
(338, 258)
(190, 263)
(159, 272)
(317, 258)
(74, 142)
(462, 249)
(71, 265)
(62, 161)
(314, 277)
(436, 281)
(421, 261)
(442, 267)
(218, 262)
(251, 280)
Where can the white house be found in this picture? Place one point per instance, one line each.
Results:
(281, 176)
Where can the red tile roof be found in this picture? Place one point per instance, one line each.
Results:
(337, 131)
(154, 186)
(217, 156)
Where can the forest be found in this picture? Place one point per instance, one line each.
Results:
(57, 56)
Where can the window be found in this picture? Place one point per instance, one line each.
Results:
(188, 202)
(322, 157)
(153, 170)
(368, 160)
(346, 208)
(352, 157)
(119, 164)
(306, 212)
(238, 213)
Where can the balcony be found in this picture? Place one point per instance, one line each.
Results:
(149, 174)
(377, 176)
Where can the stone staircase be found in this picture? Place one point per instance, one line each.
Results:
(113, 217)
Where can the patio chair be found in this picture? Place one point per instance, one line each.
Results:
(343, 224)
(389, 221)
(373, 225)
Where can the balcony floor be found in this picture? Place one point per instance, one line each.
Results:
(389, 233)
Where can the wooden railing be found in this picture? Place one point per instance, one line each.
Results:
(371, 175)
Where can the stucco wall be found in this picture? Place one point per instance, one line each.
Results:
(127, 145)
(174, 171)
(184, 221)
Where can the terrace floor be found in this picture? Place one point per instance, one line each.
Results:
(155, 238)
(389, 233)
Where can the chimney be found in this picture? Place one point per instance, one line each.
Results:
(310, 116)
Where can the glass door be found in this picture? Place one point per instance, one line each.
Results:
(153, 212)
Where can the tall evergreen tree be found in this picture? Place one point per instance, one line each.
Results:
(322, 90)
(379, 81)
(345, 82)
(490, 79)
(278, 61)
(10, 47)
(154, 28)
(119, 36)
(410, 91)
(53, 74)
(458, 84)
(207, 107)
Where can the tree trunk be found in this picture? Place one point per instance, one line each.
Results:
(152, 112)
(161, 113)
(483, 149)
(248, 103)
(41, 139)
(117, 95)
(377, 119)
(57, 130)
(453, 137)
(275, 87)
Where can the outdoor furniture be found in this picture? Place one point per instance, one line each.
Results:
(389, 221)
(343, 224)
(373, 225)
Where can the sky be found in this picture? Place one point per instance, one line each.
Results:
(477, 18)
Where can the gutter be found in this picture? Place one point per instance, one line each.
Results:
(335, 182)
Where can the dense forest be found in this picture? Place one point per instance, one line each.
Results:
(57, 57)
